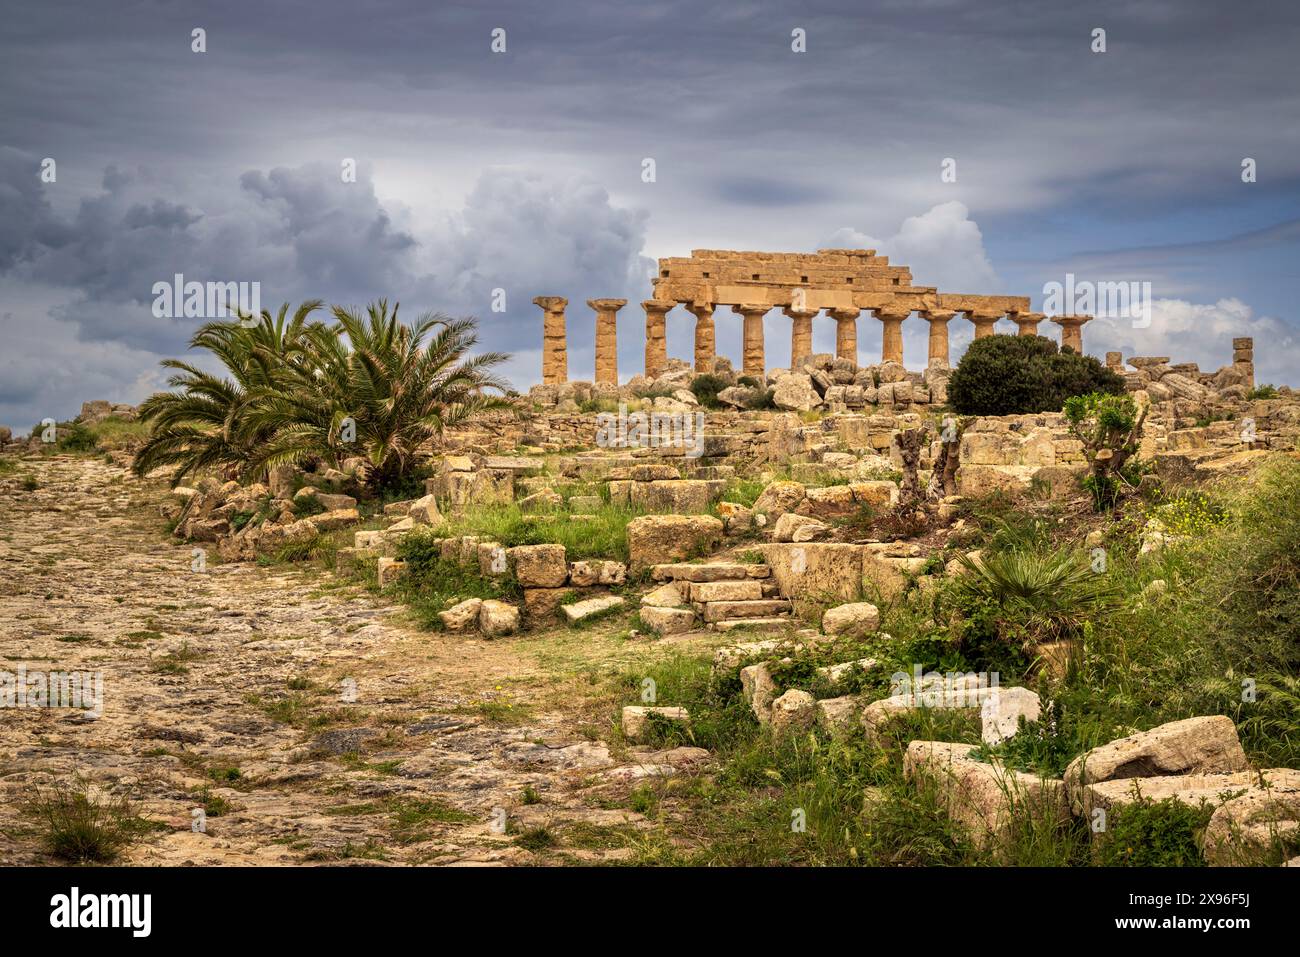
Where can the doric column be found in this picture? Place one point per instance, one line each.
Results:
(984, 320)
(1027, 322)
(555, 348)
(1243, 357)
(891, 346)
(938, 320)
(800, 333)
(607, 338)
(754, 363)
(1072, 331)
(706, 349)
(656, 335)
(846, 333)
(1115, 361)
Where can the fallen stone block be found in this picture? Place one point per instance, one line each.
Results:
(668, 621)
(540, 566)
(1001, 711)
(1260, 828)
(659, 539)
(853, 618)
(794, 711)
(984, 799)
(590, 608)
(1194, 745)
(462, 615)
(497, 618)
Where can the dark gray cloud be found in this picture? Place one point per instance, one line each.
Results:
(522, 171)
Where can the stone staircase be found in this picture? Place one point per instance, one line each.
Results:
(728, 595)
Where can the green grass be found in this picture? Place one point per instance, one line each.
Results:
(76, 828)
(1228, 624)
(604, 535)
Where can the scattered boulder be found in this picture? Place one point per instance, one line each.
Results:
(424, 511)
(779, 498)
(1261, 827)
(852, 618)
(497, 618)
(794, 711)
(983, 798)
(462, 615)
(1192, 746)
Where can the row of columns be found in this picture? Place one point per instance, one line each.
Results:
(555, 354)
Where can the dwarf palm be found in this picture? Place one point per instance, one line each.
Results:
(206, 424)
(382, 396)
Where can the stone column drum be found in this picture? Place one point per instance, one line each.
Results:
(1243, 357)
(607, 338)
(656, 335)
(938, 320)
(800, 333)
(1027, 322)
(705, 341)
(846, 333)
(555, 348)
(1072, 331)
(984, 321)
(891, 345)
(754, 361)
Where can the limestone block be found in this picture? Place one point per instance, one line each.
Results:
(497, 618)
(793, 712)
(461, 615)
(851, 618)
(1194, 745)
(539, 566)
(656, 539)
(667, 621)
(590, 607)
(983, 798)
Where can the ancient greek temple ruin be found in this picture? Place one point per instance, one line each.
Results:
(842, 283)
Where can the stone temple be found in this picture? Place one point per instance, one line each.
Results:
(842, 283)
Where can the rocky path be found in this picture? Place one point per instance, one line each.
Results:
(233, 688)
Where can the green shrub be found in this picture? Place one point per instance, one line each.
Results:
(1150, 833)
(706, 388)
(77, 828)
(1010, 375)
(1265, 391)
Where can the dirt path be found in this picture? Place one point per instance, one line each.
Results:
(236, 680)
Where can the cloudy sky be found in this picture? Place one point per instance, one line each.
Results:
(522, 170)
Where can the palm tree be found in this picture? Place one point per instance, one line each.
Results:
(205, 425)
(382, 396)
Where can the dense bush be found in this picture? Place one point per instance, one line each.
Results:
(706, 388)
(1011, 375)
